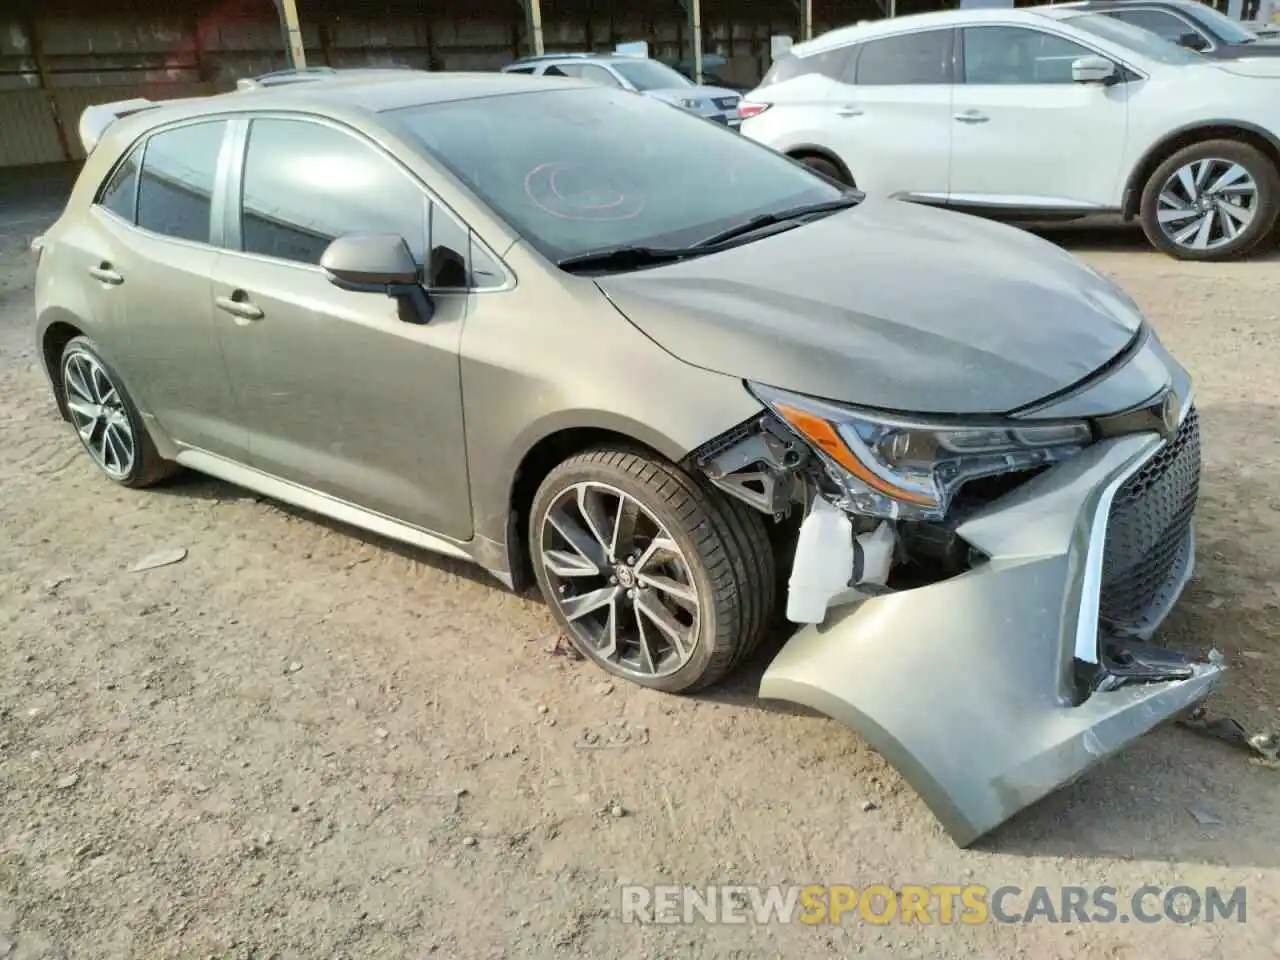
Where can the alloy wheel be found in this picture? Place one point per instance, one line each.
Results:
(98, 414)
(1207, 204)
(620, 580)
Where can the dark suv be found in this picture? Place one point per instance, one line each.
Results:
(1188, 23)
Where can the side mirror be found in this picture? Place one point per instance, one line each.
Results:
(1093, 70)
(377, 263)
(1193, 41)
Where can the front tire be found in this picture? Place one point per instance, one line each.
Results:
(655, 577)
(105, 418)
(1212, 201)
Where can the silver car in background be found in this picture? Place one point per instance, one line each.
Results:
(641, 75)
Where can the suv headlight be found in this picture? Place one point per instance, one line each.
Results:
(691, 104)
(900, 468)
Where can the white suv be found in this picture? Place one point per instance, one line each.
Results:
(1040, 113)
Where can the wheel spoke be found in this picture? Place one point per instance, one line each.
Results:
(1184, 236)
(624, 528)
(642, 641)
(575, 608)
(1187, 177)
(564, 563)
(1201, 241)
(83, 408)
(76, 381)
(1230, 212)
(579, 540)
(658, 547)
(596, 517)
(648, 606)
(1235, 173)
(1175, 214)
(681, 593)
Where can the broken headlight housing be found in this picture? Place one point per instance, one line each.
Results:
(903, 468)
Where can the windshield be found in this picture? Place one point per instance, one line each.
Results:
(1144, 42)
(1229, 30)
(580, 170)
(650, 75)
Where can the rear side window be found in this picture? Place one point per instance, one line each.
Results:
(830, 63)
(175, 193)
(120, 193)
(519, 70)
(914, 58)
(305, 184)
(1159, 22)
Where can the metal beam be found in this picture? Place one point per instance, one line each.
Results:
(533, 25)
(295, 50)
(806, 20)
(42, 75)
(695, 24)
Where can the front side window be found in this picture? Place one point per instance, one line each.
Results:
(590, 168)
(120, 193)
(913, 58)
(1163, 24)
(650, 75)
(305, 184)
(175, 193)
(1002, 55)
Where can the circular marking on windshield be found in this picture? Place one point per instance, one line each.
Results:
(574, 191)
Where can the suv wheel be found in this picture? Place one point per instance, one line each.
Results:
(106, 419)
(656, 578)
(1216, 200)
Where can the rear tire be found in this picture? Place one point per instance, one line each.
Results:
(1212, 201)
(825, 167)
(656, 577)
(105, 418)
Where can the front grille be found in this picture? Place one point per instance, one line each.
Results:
(727, 103)
(1147, 532)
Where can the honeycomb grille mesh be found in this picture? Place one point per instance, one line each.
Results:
(1147, 529)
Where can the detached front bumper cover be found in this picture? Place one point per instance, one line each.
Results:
(967, 685)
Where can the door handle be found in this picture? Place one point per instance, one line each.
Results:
(849, 112)
(972, 116)
(106, 274)
(239, 306)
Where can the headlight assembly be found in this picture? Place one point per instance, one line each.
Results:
(691, 104)
(895, 467)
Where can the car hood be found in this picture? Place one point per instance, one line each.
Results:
(890, 305)
(1258, 62)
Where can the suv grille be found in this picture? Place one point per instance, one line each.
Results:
(727, 103)
(1147, 532)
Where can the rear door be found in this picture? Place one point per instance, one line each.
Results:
(1025, 136)
(344, 394)
(889, 114)
(149, 263)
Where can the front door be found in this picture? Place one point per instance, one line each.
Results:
(343, 393)
(1024, 135)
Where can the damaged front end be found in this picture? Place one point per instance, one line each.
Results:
(978, 598)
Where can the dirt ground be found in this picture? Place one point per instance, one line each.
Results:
(300, 742)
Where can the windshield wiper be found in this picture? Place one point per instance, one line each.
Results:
(626, 258)
(780, 216)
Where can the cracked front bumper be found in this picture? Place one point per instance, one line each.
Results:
(968, 686)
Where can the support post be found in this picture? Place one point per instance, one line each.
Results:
(42, 74)
(295, 50)
(695, 18)
(806, 20)
(533, 25)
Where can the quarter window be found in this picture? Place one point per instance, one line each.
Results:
(1015, 55)
(829, 63)
(305, 184)
(600, 75)
(120, 193)
(175, 194)
(913, 58)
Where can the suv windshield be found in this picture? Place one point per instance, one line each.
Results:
(1144, 42)
(580, 170)
(649, 75)
(1229, 30)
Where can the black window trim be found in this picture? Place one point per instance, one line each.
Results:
(1192, 25)
(140, 146)
(232, 188)
(1128, 73)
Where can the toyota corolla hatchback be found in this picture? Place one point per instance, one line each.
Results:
(682, 382)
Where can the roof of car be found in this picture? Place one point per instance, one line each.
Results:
(914, 21)
(553, 57)
(364, 90)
